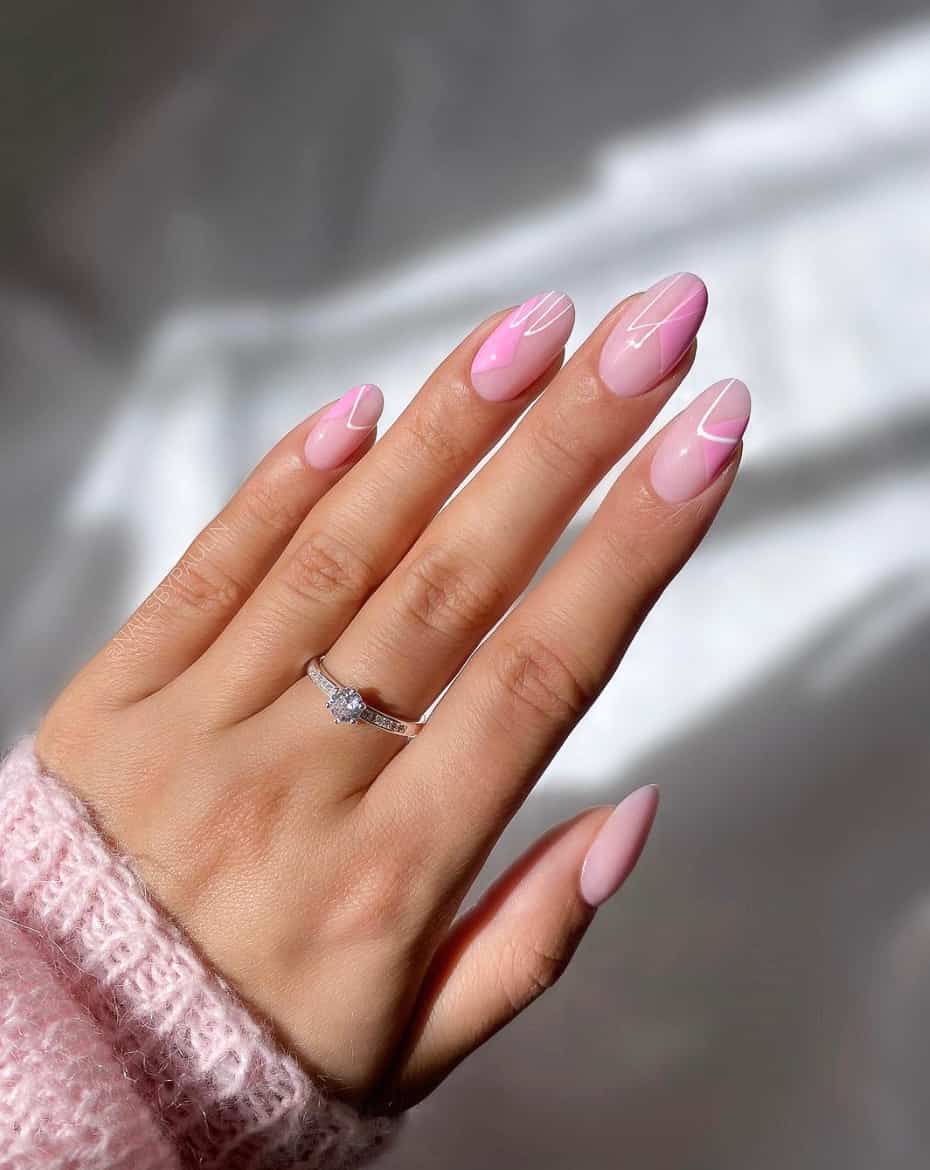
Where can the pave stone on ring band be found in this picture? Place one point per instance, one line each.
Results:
(347, 706)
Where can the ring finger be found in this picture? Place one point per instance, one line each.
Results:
(354, 538)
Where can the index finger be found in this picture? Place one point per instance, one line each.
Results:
(528, 685)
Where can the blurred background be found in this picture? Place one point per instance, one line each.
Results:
(216, 216)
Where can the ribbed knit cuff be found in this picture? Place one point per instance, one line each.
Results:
(227, 1096)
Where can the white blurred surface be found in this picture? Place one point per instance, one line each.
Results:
(757, 997)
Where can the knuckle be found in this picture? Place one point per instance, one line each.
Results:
(450, 593)
(324, 568)
(200, 584)
(631, 557)
(540, 685)
(560, 447)
(270, 507)
(431, 436)
(526, 969)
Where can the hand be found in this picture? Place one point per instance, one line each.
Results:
(320, 867)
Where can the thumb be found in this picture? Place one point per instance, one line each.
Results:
(516, 942)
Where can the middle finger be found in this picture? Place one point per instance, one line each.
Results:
(470, 564)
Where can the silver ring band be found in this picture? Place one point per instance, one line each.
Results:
(347, 706)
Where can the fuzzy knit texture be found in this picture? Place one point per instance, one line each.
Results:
(119, 1049)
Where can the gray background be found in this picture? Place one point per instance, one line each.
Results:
(214, 217)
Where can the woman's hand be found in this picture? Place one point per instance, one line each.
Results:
(320, 866)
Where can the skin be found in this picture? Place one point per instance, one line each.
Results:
(320, 868)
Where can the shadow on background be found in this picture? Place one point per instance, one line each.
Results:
(793, 484)
(332, 139)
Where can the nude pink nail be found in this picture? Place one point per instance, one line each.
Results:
(652, 334)
(698, 444)
(343, 428)
(522, 346)
(616, 849)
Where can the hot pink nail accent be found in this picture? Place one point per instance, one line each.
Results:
(522, 346)
(700, 441)
(652, 334)
(616, 849)
(343, 427)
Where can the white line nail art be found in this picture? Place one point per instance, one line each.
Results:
(652, 326)
(350, 424)
(725, 439)
(543, 316)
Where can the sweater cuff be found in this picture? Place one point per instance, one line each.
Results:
(227, 1096)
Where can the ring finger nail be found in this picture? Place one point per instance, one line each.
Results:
(652, 333)
(700, 441)
(343, 427)
(522, 346)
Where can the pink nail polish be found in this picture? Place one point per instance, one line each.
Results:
(700, 441)
(522, 346)
(616, 849)
(652, 334)
(343, 427)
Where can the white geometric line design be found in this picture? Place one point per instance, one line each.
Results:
(543, 316)
(652, 326)
(350, 425)
(708, 412)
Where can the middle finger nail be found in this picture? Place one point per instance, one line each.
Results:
(652, 333)
(522, 346)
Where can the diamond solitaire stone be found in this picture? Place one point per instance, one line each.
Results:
(346, 705)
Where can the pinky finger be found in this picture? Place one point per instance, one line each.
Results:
(520, 937)
(202, 593)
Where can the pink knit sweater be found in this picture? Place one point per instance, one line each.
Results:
(119, 1050)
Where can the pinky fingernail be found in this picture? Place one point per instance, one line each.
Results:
(344, 427)
(616, 849)
(699, 443)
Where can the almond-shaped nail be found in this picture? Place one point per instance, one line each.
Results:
(522, 346)
(616, 849)
(698, 444)
(342, 429)
(652, 333)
